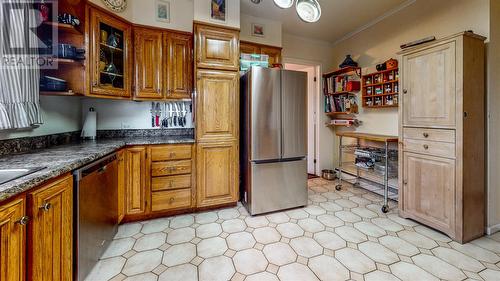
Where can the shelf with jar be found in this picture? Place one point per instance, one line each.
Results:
(381, 89)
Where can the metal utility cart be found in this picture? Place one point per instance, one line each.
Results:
(384, 155)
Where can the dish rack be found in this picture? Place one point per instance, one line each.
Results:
(370, 165)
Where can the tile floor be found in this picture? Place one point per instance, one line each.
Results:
(339, 236)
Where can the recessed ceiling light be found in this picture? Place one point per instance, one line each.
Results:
(284, 3)
(308, 10)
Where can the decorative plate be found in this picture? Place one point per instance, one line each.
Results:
(116, 5)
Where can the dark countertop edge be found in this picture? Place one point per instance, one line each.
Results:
(36, 179)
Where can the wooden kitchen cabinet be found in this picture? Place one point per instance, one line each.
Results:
(180, 65)
(216, 47)
(50, 236)
(110, 51)
(149, 64)
(442, 130)
(274, 53)
(12, 240)
(217, 105)
(136, 191)
(217, 173)
(249, 48)
(121, 183)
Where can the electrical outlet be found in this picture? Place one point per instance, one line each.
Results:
(126, 125)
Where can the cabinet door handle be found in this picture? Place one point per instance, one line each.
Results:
(45, 207)
(426, 135)
(405, 182)
(426, 146)
(171, 200)
(405, 91)
(24, 220)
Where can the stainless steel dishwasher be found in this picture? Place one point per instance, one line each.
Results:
(96, 215)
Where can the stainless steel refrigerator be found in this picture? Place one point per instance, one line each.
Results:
(273, 139)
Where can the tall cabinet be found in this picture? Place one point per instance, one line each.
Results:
(442, 131)
(217, 103)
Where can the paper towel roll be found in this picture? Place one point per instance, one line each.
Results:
(90, 125)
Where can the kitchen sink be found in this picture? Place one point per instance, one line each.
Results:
(7, 175)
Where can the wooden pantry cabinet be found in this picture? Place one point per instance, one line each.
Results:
(442, 130)
(40, 224)
(163, 64)
(216, 47)
(274, 53)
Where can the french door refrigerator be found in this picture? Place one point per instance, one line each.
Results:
(273, 139)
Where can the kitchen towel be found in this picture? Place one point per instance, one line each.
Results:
(90, 125)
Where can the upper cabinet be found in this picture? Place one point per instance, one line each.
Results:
(274, 53)
(148, 47)
(216, 47)
(180, 65)
(110, 53)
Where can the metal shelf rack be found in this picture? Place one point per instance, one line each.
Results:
(369, 176)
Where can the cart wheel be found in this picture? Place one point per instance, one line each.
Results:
(356, 184)
(338, 187)
(385, 209)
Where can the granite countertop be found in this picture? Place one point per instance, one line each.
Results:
(66, 158)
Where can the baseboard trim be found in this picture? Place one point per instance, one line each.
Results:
(492, 229)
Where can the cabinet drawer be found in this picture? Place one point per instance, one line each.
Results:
(173, 199)
(171, 182)
(168, 168)
(170, 152)
(429, 134)
(430, 147)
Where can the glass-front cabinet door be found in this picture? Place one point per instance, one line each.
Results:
(110, 58)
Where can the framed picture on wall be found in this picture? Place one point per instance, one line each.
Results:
(218, 10)
(258, 30)
(162, 10)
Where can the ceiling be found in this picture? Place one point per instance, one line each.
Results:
(339, 18)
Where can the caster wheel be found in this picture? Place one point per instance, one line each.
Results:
(356, 185)
(338, 187)
(385, 209)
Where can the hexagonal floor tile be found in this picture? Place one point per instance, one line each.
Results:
(346, 203)
(438, 268)
(348, 216)
(296, 271)
(278, 218)
(179, 254)
(378, 253)
(297, 214)
(263, 276)
(306, 247)
(233, 226)
(266, 235)
(208, 230)
(476, 252)
(350, 234)
(369, 229)
(355, 261)
(330, 221)
(118, 247)
(180, 235)
(142, 277)
(279, 253)
(388, 224)
(458, 259)
(290, 230)
(150, 241)
(216, 269)
(407, 272)
(240, 241)
(228, 214)
(206, 217)
(417, 239)
(399, 246)
(106, 269)
(314, 210)
(311, 225)
(250, 261)
(256, 222)
(142, 262)
(156, 225)
(378, 275)
(211, 247)
(185, 272)
(330, 206)
(181, 221)
(328, 268)
(128, 230)
(330, 240)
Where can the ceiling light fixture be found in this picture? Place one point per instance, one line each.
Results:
(255, 1)
(284, 4)
(308, 10)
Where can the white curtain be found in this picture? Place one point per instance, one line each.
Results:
(19, 86)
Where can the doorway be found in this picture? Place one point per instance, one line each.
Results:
(313, 78)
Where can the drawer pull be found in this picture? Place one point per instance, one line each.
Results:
(426, 135)
(46, 207)
(172, 154)
(171, 184)
(426, 146)
(24, 220)
(172, 199)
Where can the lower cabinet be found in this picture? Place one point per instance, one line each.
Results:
(12, 240)
(136, 183)
(50, 238)
(41, 225)
(217, 173)
(429, 178)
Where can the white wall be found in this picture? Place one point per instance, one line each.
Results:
(120, 114)
(60, 115)
(493, 121)
(144, 12)
(272, 30)
(202, 13)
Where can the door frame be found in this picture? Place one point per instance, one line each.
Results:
(317, 100)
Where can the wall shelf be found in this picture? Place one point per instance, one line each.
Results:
(386, 82)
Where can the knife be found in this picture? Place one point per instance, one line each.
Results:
(158, 111)
(153, 114)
